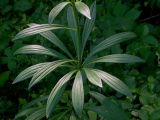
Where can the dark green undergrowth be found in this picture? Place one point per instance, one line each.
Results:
(113, 16)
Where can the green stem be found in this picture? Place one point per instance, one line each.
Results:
(78, 32)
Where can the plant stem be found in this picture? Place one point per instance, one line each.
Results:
(78, 33)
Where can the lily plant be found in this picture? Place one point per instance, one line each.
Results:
(80, 65)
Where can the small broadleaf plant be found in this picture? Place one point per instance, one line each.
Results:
(79, 63)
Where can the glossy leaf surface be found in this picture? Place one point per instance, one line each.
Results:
(54, 95)
(83, 9)
(56, 10)
(78, 94)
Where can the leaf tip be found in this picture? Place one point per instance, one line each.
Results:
(14, 82)
(142, 61)
(47, 116)
(14, 38)
(29, 87)
(100, 85)
(47, 111)
(89, 17)
(50, 20)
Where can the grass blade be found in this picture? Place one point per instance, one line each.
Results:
(56, 10)
(78, 94)
(54, 95)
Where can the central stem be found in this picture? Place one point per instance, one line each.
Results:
(78, 32)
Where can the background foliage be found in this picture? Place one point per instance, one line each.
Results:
(113, 16)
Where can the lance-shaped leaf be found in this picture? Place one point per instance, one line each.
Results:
(38, 29)
(37, 115)
(25, 112)
(74, 34)
(56, 10)
(93, 77)
(88, 26)
(113, 82)
(35, 49)
(45, 70)
(114, 39)
(118, 58)
(98, 96)
(50, 36)
(35, 102)
(29, 72)
(78, 94)
(109, 109)
(83, 9)
(54, 95)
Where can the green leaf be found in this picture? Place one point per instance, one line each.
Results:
(93, 77)
(38, 29)
(151, 40)
(119, 9)
(37, 115)
(45, 70)
(98, 96)
(142, 30)
(113, 40)
(109, 109)
(50, 36)
(54, 95)
(22, 5)
(4, 77)
(63, 115)
(83, 9)
(78, 94)
(155, 115)
(35, 49)
(56, 10)
(133, 14)
(143, 114)
(113, 82)
(25, 112)
(35, 102)
(74, 34)
(72, 117)
(88, 26)
(92, 115)
(118, 58)
(29, 72)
